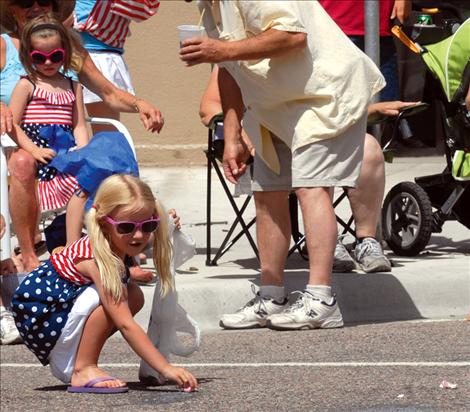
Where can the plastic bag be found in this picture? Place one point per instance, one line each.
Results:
(169, 322)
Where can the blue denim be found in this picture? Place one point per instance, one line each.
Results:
(388, 66)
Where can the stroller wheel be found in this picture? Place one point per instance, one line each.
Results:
(407, 219)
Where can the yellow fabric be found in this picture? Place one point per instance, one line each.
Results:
(269, 151)
(304, 96)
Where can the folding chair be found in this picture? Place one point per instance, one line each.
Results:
(8, 143)
(214, 154)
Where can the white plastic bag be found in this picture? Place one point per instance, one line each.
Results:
(169, 322)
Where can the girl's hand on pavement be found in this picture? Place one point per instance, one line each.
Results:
(184, 379)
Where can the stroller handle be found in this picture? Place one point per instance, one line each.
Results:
(444, 6)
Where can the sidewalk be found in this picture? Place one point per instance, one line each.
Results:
(434, 285)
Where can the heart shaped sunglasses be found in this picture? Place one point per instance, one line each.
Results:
(55, 56)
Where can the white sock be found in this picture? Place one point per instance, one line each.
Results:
(272, 292)
(320, 291)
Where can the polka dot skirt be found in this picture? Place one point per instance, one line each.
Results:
(41, 306)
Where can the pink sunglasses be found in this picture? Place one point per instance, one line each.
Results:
(127, 227)
(55, 56)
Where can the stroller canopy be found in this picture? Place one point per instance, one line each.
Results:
(447, 59)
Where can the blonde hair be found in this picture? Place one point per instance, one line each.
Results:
(133, 194)
(69, 42)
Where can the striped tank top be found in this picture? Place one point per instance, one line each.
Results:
(49, 107)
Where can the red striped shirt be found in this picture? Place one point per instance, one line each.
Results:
(109, 20)
(50, 108)
(64, 261)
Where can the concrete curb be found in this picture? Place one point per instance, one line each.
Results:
(410, 291)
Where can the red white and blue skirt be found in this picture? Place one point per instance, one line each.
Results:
(54, 188)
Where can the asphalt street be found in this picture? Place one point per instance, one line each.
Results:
(368, 367)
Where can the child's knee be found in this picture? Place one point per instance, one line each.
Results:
(135, 297)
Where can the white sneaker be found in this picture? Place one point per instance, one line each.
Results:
(253, 314)
(8, 332)
(342, 262)
(370, 256)
(308, 312)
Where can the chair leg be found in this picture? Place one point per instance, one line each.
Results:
(208, 210)
(5, 251)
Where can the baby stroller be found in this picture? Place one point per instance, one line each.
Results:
(412, 211)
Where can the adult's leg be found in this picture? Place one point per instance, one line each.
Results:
(366, 203)
(273, 234)
(366, 198)
(98, 328)
(24, 207)
(321, 232)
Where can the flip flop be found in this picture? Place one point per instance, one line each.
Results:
(90, 388)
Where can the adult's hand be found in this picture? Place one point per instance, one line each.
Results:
(235, 159)
(401, 10)
(6, 119)
(150, 116)
(203, 50)
(391, 108)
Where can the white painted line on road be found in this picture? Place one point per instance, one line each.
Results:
(271, 364)
(171, 146)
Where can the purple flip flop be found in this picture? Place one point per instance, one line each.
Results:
(90, 388)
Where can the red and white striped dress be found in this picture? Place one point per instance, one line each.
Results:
(45, 109)
(109, 20)
(64, 261)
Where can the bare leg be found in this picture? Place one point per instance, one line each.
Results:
(273, 235)
(24, 206)
(98, 328)
(74, 217)
(320, 229)
(101, 109)
(366, 198)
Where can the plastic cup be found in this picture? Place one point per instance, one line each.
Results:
(188, 31)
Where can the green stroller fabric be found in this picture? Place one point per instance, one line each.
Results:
(447, 59)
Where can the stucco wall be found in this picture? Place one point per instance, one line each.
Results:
(160, 77)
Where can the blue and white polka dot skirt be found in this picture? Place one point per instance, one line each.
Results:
(41, 307)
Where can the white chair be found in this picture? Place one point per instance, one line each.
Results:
(8, 143)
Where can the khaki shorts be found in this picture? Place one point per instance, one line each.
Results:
(327, 163)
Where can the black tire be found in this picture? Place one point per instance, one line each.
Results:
(407, 219)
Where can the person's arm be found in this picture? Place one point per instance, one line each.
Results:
(270, 43)
(19, 98)
(235, 151)
(118, 99)
(121, 316)
(6, 117)
(80, 131)
(210, 102)
(391, 108)
(401, 10)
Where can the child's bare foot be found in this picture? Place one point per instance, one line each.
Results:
(85, 375)
(29, 262)
(140, 275)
